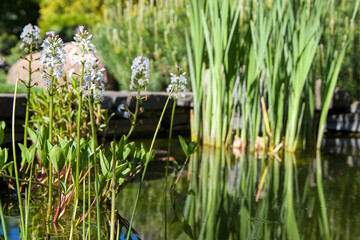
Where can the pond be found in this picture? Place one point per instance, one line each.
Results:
(223, 196)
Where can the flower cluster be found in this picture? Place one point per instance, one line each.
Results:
(83, 53)
(30, 37)
(53, 57)
(178, 83)
(140, 73)
(83, 41)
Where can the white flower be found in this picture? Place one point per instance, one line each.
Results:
(126, 114)
(71, 72)
(140, 73)
(178, 83)
(83, 54)
(52, 58)
(121, 107)
(30, 37)
(83, 40)
(93, 79)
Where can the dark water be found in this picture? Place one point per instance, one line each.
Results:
(223, 196)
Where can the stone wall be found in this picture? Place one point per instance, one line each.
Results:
(153, 107)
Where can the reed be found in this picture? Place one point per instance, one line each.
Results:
(260, 50)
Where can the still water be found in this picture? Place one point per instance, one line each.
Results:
(251, 196)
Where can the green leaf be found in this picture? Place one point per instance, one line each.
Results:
(57, 158)
(184, 146)
(32, 134)
(63, 187)
(104, 164)
(25, 154)
(43, 158)
(192, 147)
(62, 142)
(119, 170)
(32, 152)
(2, 129)
(124, 174)
(127, 150)
(3, 159)
(121, 150)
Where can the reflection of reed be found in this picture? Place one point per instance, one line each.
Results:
(221, 201)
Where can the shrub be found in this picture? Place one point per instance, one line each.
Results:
(64, 16)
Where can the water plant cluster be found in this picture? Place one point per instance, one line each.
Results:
(61, 157)
(257, 62)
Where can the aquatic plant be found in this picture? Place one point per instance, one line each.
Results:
(76, 157)
(259, 62)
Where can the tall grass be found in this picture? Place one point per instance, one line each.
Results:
(259, 49)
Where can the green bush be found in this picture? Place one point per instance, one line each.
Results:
(155, 30)
(63, 17)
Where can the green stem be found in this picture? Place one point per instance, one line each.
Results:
(77, 173)
(133, 124)
(167, 163)
(3, 222)
(51, 93)
(113, 194)
(27, 100)
(15, 164)
(23, 180)
(28, 197)
(146, 164)
(94, 145)
(84, 210)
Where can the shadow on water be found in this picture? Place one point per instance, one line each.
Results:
(220, 196)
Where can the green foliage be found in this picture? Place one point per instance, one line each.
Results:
(2, 129)
(155, 30)
(14, 15)
(188, 149)
(64, 16)
(3, 152)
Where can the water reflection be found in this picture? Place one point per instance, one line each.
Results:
(221, 196)
(296, 200)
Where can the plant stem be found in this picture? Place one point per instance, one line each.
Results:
(15, 164)
(3, 222)
(94, 145)
(51, 93)
(113, 194)
(77, 173)
(24, 180)
(28, 99)
(167, 163)
(133, 123)
(28, 197)
(146, 164)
